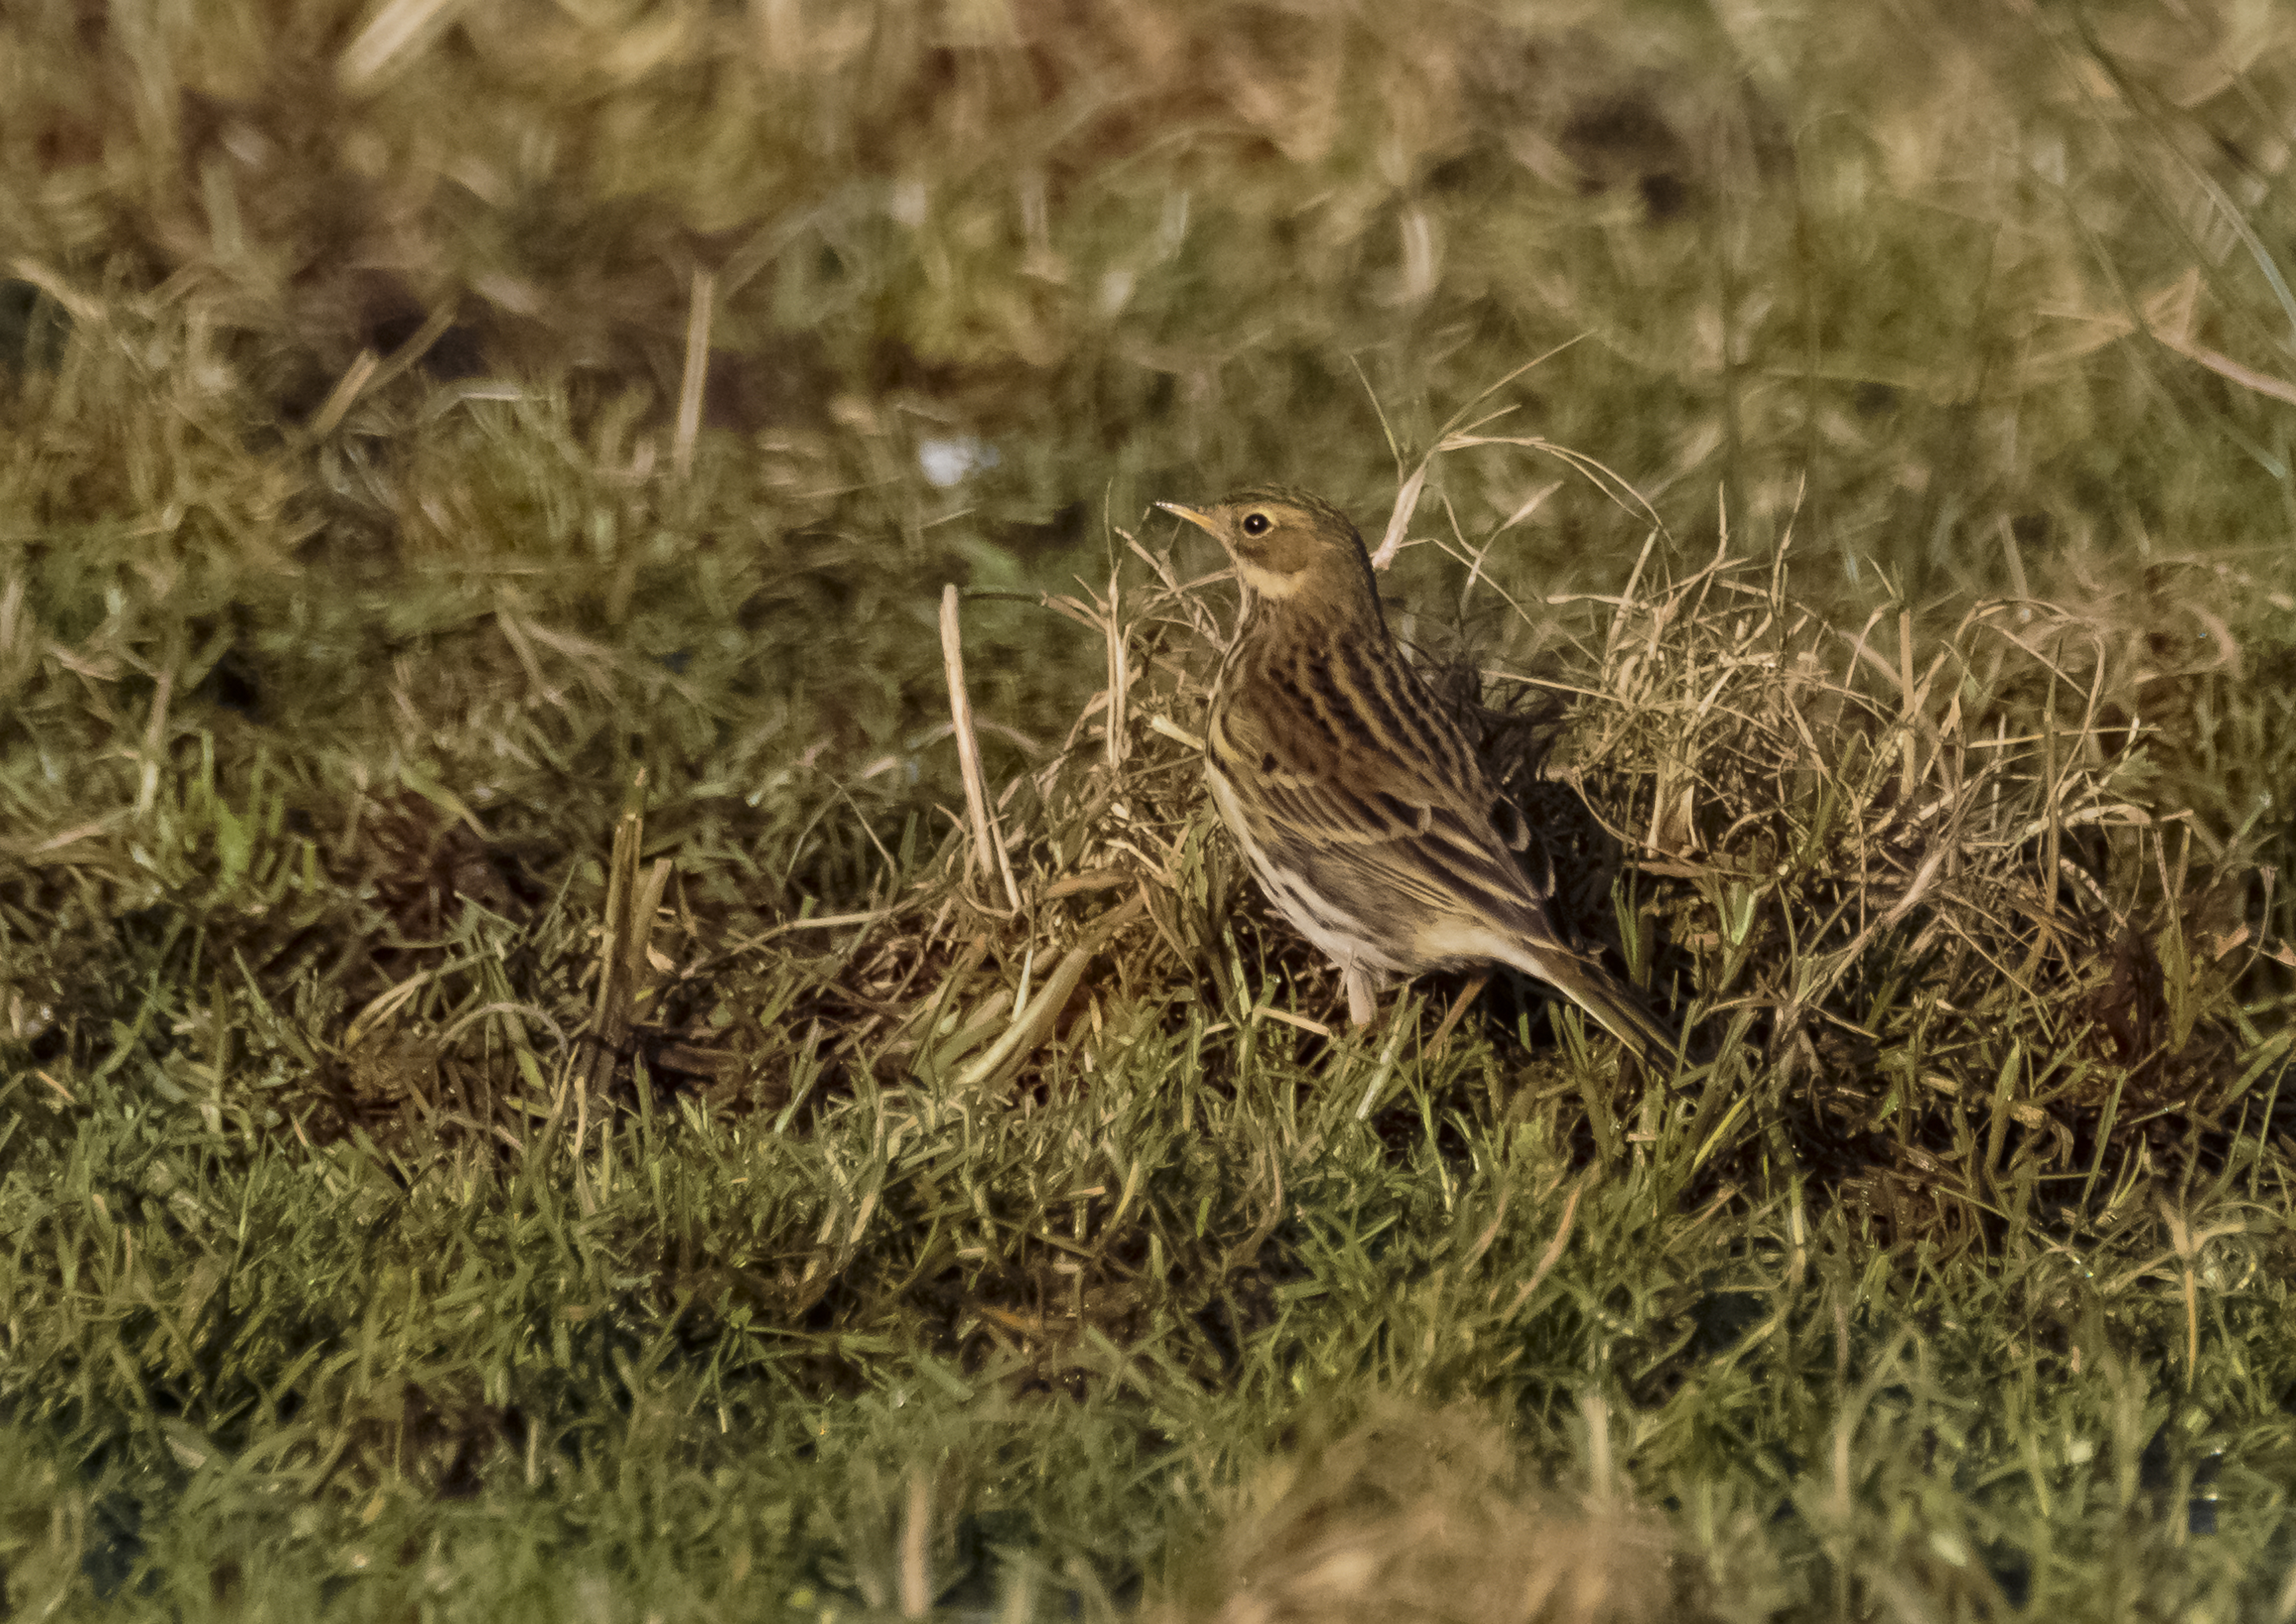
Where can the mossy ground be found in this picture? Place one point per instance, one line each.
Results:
(527, 1094)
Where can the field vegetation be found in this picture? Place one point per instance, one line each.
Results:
(619, 999)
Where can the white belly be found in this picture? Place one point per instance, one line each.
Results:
(1339, 938)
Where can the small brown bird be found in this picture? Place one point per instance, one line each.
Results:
(1365, 815)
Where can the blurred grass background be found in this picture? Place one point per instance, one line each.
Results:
(421, 420)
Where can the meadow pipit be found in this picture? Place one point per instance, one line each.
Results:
(1362, 813)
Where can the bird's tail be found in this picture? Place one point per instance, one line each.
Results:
(1613, 1005)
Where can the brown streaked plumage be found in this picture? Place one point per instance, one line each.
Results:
(1362, 813)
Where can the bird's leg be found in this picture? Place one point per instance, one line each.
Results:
(1363, 1002)
(1467, 995)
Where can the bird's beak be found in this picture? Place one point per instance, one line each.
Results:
(1196, 516)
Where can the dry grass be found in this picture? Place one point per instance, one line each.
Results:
(549, 1071)
(1419, 1515)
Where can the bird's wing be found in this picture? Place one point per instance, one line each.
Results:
(1390, 844)
(1412, 839)
(1358, 784)
(1365, 781)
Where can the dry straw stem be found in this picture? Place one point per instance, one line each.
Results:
(987, 848)
(396, 32)
(695, 378)
(632, 902)
(916, 1546)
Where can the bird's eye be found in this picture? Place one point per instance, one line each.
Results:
(1255, 524)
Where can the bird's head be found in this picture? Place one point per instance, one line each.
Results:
(1289, 546)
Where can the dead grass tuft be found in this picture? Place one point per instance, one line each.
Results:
(1900, 877)
(1423, 1514)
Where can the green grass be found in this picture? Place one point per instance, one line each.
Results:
(390, 610)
